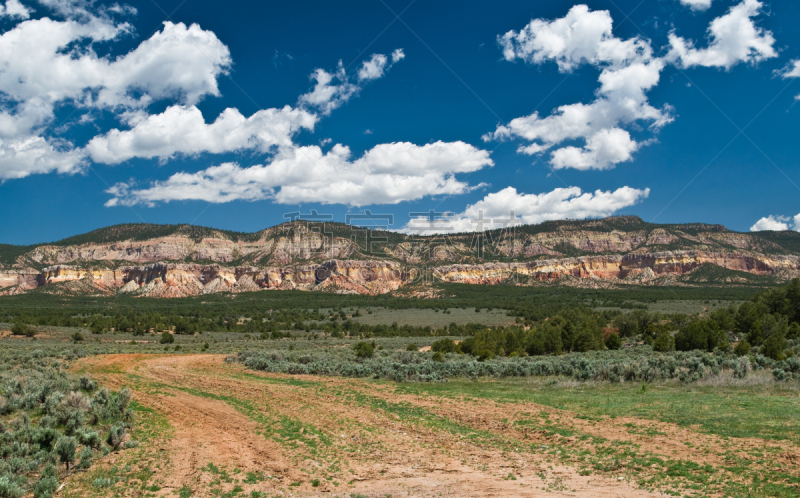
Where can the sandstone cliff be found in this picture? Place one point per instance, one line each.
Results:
(175, 261)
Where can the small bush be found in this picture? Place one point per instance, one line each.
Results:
(86, 458)
(9, 489)
(22, 329)
(364, 350)
(780, 374)
(741, 367)
(47, 484)
(794, 331)
(774, 346)
(65, 449)
(613, 341)
(445, 345)
(699, 334)
(167, 338)
(412, 347)
(77, 337)
(86, 383)
(742, 348)
(45, 437)
(89, 438)
(77, 401)
(116, 435)
(484, 354)
(664, 342)
(106, 482)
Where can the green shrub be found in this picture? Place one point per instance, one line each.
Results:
(77, 337)
(65, 449)
(742, 348)
(412, 347)
(780, 375)
(89, 438)
(364, 350)
(86, 383)
(774, 346)
(794, 331)
(446, 345)
(767, 326)
(45, 437)
(664, 342)
(484, 354)
(47, 484)
(22, 329)
(698, 334)
(86, 458)
(35, 383)
(116, 435)
(637, 363)
(613, 341)
(167, 338)
(546, 340)
(9, 488)
(741, 367)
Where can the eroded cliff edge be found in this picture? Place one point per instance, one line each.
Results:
(181, 260)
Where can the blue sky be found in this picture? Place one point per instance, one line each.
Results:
(673, 110)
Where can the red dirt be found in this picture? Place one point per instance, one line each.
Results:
(370, 451)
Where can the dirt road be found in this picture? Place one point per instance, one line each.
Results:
(238, 431)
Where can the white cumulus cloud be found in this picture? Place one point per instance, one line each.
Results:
(603, 150)
(333, 89)
(182, 130)
(386, 174)
(581, 37)
(45, 63)
(181, 62)
(792, 70)
(15, 10)
(32, 154)
(496, 209)
(776, 223)
(628, 71)
(732, 38)
(373, 68)
(697, 4)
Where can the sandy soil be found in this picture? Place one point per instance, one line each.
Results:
(298, 428)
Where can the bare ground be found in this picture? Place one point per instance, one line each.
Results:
(356, 436)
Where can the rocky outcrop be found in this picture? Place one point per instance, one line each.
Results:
(617, 267)
(186, 261)
(179, 280)
(25, 279)
(275, 245)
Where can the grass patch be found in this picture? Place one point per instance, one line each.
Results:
(730, 411)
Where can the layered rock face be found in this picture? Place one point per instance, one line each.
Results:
(185, 261)
(179, 280)
(618, 267)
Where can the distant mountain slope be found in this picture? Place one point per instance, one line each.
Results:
(175, 260)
